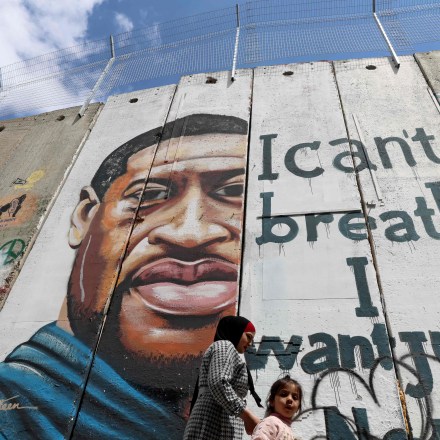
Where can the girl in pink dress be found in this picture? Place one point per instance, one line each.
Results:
(283, 403)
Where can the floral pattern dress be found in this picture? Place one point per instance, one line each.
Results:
(223, 385)
(272, 428)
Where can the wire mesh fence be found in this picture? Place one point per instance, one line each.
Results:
(270, 31)
(282, 29)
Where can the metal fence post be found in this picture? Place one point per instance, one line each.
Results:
(100, 79)
(385, 36)
(237, 38)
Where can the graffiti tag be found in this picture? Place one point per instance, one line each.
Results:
(8, 405)
(11, 250)
(13, 206)
(30, 181)
(19, 181)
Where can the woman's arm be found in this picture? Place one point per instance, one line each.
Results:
(221, 370)
(250, 421)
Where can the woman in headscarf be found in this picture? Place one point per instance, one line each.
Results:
(219, 409)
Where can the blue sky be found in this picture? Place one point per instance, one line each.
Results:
(114, 16)
(34, 27)
(29, 28)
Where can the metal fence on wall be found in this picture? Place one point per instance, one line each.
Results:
(252, 33)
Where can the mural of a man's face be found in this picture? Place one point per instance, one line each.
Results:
(179, 274)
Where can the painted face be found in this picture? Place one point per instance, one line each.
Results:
(287, 400)
(179, 274)
(245, 341)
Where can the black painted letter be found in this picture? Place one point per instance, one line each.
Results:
(366, 308)
(289, 161)
(385, 158)
(269, 222)
(267, 158)
(415, 342)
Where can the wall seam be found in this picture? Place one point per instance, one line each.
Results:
(243, 233)
(373, 254)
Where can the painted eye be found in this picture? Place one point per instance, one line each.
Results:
(233, 190)
(154, 194)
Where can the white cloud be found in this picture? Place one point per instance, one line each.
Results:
(123, 22)
(30, 28)
(34, 27)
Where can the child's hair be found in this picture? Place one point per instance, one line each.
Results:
(276, 386)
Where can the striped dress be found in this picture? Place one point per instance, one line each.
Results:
(223, 385)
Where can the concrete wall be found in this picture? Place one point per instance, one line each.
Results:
(428, 63)
(35, 156)
(306, 283)
(398, 122)
(304, 197)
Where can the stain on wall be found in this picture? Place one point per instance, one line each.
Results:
(306, 202)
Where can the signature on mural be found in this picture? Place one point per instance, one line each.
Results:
(13, 206)
(10, 405)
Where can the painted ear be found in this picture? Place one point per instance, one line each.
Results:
(82, 216)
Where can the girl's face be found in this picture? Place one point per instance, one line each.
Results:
(287, 400)
(245, 341)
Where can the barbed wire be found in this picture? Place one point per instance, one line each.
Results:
(271, 31)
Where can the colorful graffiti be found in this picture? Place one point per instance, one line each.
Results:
(16, 211)
(184, 247)
(30, 181)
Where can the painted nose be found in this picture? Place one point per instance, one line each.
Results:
(189, 228)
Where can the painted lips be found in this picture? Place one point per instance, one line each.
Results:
(175, 287)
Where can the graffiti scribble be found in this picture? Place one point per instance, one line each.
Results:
(357, 427)
(11, 250)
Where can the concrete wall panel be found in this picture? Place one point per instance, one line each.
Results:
(429, 63)
(398, 122)
(36, 153)
(304, 276)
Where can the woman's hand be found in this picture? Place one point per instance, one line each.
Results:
(250, 421)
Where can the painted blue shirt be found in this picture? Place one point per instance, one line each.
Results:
(41, 384)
